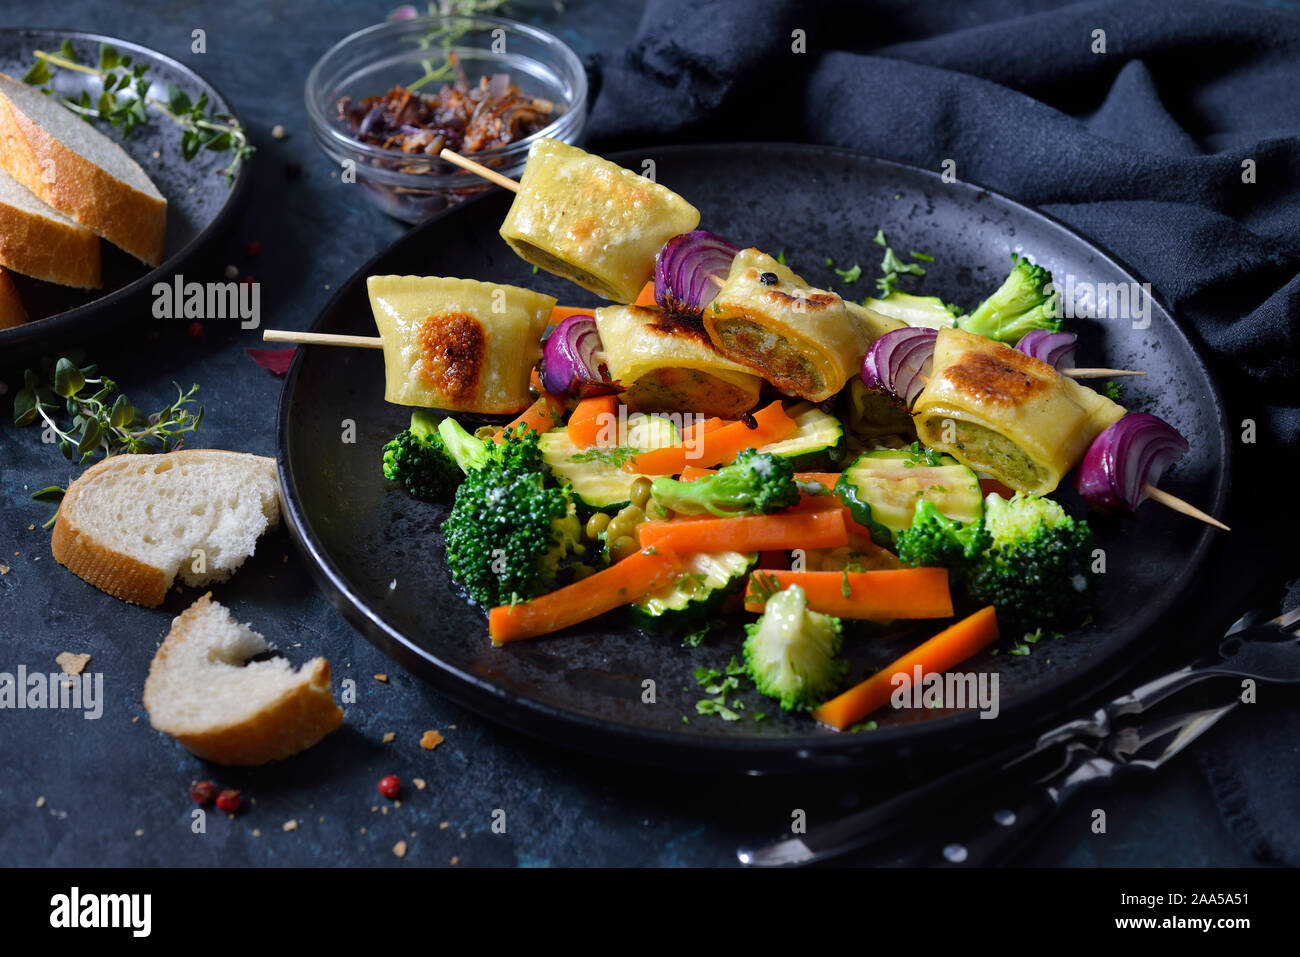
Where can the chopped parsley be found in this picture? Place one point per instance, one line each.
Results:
(716, 706)
(1113, 390)
(891, 267)
(922, 256)
(696, 638)
(763, 586)
(850, 276)
(863, 726)
(616, 456)
(845, 588)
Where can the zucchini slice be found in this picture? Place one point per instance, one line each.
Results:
(818, 443)
(597, 475)
(882, 488)
(705, 583)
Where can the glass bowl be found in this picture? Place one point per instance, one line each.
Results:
(413, 187)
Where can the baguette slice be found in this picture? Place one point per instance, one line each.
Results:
(130, 524)
(12, 312)
(41, 242)
(203, 691)
(79, 171)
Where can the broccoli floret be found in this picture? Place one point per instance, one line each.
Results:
(510, 526)
(418, 459)
(754, 484)
(935, 539)
(1037, 568)
(792, 654)
(468, 451)
(1020, 305)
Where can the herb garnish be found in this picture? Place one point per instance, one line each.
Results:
(125, 94)
(98, 424)
(614, 456)
(1113, 390)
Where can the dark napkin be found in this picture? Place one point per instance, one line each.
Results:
(1140, 148)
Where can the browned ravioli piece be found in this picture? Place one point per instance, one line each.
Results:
(802, 340)
(1007, 414)
(458, 343)
(667, 363)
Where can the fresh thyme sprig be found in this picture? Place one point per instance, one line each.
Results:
(100, 422)
(118, 75)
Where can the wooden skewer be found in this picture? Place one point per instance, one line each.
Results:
(374, 342)
(322, 339)
(479, 169)
(1099, 373)
(1178, 505)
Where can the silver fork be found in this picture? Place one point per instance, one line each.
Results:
(1266, 651)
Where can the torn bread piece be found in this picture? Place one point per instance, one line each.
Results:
(79, 171)
(204, 692)
(41, 242)
(132, 523)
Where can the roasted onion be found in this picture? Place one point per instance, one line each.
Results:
(683, 267)
(899, 362)
(1121, 461)
(569, 363)
(1054, 348)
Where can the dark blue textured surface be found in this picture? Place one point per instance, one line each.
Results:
(103, 781)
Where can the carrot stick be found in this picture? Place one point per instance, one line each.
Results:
(826, 479)
(904, 593)
(945, 650)
(749, 533)
(590, 417)
(691, 432)
(717, 447)
(560, 313)
(691, 473)
(541, 416)
(632, 578)
(646, 297)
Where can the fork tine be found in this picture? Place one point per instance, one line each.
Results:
(1289, 620)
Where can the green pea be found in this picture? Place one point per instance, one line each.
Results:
(597, 524)
(641, 492)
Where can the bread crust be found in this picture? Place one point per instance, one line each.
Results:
(12, 312)
(46, 249)
(293, 722)
(109, 570)
(76, 187)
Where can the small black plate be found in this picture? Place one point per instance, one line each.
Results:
(378, 553)
(200, 203)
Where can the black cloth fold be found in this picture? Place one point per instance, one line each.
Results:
(1177, 149)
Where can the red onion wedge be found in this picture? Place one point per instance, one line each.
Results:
(1121, 461)
(1054, 348)
(899, 362)
(569, 364)
(683, 267)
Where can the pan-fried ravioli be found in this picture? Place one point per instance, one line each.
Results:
(1007, 414)
(591, 221)
(802, 340)
(666, 363)
(458, 343)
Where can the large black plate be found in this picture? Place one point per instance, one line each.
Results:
(378, 553)
(200, 204)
